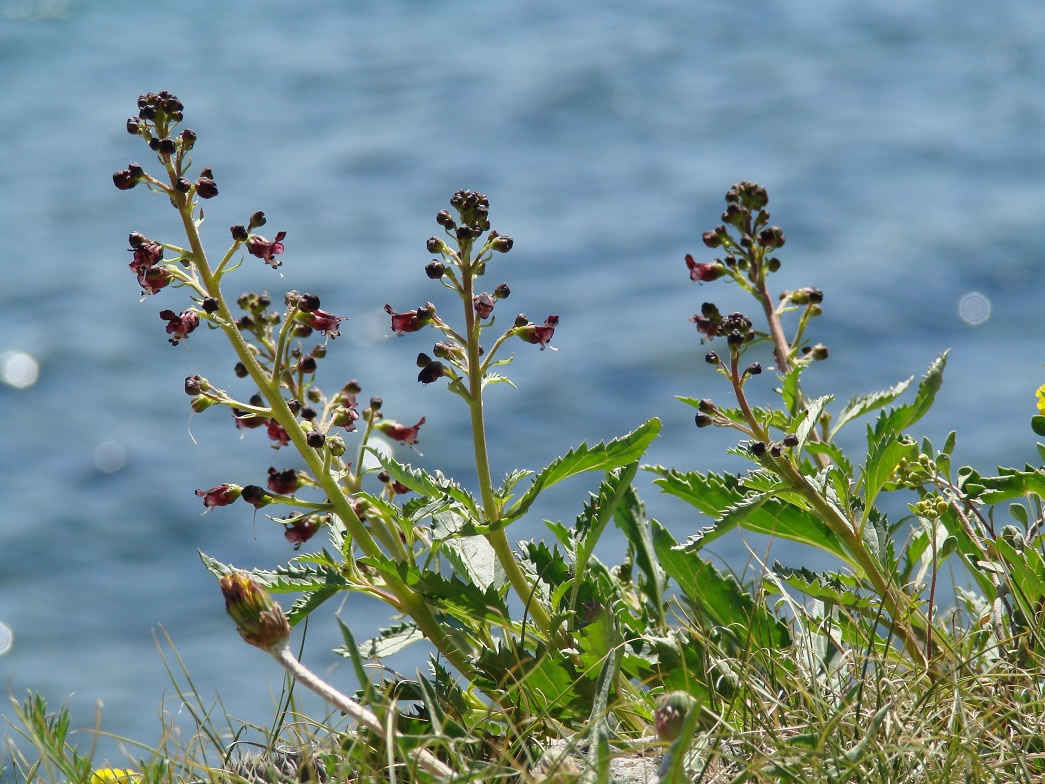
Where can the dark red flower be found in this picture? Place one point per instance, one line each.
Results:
(398, 432)
(222, 495)
(283, 482)
(320, 320)
(412, 320)
(301, 531)
(704, 272)
(179, 327)
(708, 320)
(542, 335)
(277, 433)
(263, 249)
(151, 276)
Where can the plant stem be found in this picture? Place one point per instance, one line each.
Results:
(409, 601)
(361, 715)
(498, 539)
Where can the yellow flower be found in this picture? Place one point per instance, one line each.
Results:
(114, 776)
(1041, 400)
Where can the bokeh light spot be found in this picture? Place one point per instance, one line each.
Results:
(7, 638)
(18, 369)
(110, 457)
(974, 308)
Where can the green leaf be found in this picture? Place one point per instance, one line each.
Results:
(810, 419)
(885, 454)
(386, 643)
(601, 457)
(537, 684)
(596, 516)
(825, 587)
(859, 405)
(471, 556)
(791, 389)
(468, 603)
(1011, 483)
(631, 518)
(898, 419)
(721, 497)
(720, 598)
(1037, 424)
(428, 485)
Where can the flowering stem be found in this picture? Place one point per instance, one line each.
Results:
(408, 600)
(358, 713)
(498, 539)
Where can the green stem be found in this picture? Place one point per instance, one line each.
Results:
(498, 539)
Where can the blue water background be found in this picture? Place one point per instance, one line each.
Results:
(902, 145)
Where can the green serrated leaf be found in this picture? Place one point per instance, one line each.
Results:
(471, 556)
(715, 495)
(825, 587)
(720, 598)
(387, 642)
(791, 389)
(810, 418)
(468, 603)
(885, 453)
(601, 457)
(631, 518)
(898, 419)
(428, 485)
(859, 405)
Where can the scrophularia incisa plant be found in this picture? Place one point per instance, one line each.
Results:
(535, 641)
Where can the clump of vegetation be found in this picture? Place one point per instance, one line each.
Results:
(549, 664)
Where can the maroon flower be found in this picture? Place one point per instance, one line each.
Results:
(283, 482)
(320, 320)
(277, 433)
(483, 304)
(412, 320)
(179, 327)
(222, 495)
(398, 432)
(708, 320)
(704, 272)
(151, 277)
(542, 335)
(301, 531)
(263, 249)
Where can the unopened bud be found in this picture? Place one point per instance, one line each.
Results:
(259, 619)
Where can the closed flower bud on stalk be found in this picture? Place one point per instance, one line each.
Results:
(259, 619)
(671, 713)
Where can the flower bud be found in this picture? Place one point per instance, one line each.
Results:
(758, 448)
(436, 245)
(315, 439)
(790, 440)
(259, 619)
(435, 269)
(336, 445)
(502, 291)
(257, 220)
(255, 496)
(502, 243)
(205, 188)
(711, 358)
(703, 420)
(188, 139)
(239, 232)
(671, 713)
(196, 384)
